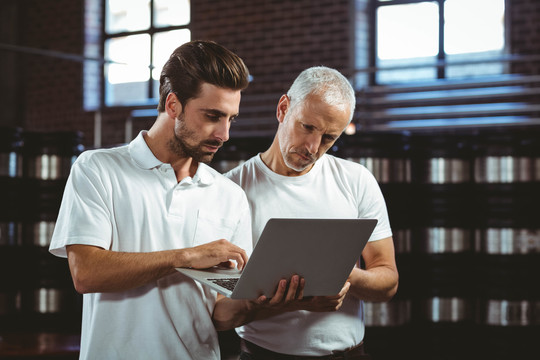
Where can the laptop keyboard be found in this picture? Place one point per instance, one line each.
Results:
(227, 283)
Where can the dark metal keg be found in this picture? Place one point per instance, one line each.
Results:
(536, 311)
(11, 278)
(444, 268)
(447, 309)
(9, 301)
(443, 302)
(507, 156)
(11, 187)
(507, 247)
(50, 308)
(10, 305)
(10, 232)
(441, 158)
(506, 264)
(385, 155)
(49, 155)
(404, 261)
(444, 240)
(48, 299)
(388, 322)
(507, 241)
(386, 314)
(10, 152)
(441, 173)
(505, 311)
(507, 186)
(402, 241)
(12, 208)
(501, 312)
(42, 206)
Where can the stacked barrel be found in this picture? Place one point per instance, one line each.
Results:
(387, 156)
(442, 233)
(40, 294)
(10, 224)
(464, 208)
(507, 241)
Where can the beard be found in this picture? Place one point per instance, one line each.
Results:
(290, 157)
(185, 143)
(297, 165)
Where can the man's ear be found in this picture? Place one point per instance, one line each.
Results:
(173, 107)
(282, 107)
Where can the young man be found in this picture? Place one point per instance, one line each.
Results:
(132, 214)
(296, 178)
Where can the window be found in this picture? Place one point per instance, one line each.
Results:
(425, 40)
(139, 36)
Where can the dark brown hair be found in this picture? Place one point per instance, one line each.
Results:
(197, 62)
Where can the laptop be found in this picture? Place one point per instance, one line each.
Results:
(322, 251)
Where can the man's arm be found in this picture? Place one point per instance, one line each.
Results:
(94, 269)
(379, 280)
(229, 313)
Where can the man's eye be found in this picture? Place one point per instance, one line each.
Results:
(328, 138)
(213, 118)
(232, 119)
(307, 127)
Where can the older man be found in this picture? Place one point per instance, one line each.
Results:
(296, 178)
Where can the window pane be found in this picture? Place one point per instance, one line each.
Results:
(171, 12)
(127, 81)
(164, 45)
(474, 30)
(473, 26)
(127, 15)
(407, 35)
(408, 31)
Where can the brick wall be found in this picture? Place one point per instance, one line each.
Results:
(277, 39)
(524, 36)
(52, 86)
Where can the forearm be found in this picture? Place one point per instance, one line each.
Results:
(229, 313)
(94, 269)
(376, 284)
(98, 270)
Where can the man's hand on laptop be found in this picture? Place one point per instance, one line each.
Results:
(289, 297)
(325, 303)
(230, 313)
(219, 252)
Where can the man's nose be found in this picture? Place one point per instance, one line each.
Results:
(313, 142)
(222, 130)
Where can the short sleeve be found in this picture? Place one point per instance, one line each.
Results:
(84, 216)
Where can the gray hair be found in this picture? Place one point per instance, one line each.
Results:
(326, 82)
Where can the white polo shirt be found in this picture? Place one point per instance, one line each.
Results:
(125, 199)
(333, 188)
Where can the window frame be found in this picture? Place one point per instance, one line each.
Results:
(151, 31)
(441, 57)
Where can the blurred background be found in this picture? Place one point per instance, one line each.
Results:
(447, 119)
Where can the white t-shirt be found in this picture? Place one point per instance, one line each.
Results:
(125, 199)
(333, 188)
